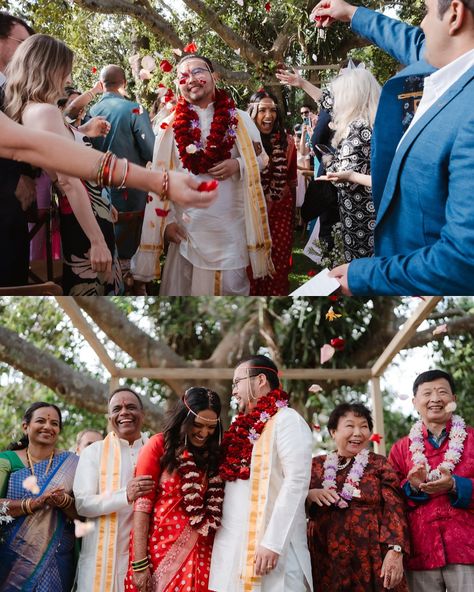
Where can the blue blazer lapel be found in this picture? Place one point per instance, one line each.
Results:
(411, 136)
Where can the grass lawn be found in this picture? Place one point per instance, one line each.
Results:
(301, 263)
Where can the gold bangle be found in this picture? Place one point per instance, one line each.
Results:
(165, 186)
(22, 506)
(29, 509)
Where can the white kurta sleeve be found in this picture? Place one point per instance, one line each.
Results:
(89, 503)
(293, 447)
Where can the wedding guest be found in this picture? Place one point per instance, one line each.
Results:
(351, 99)
(37, 546)
(357, 530)
(187, 495)
(435, 465)
(105, 488)
(85, 438)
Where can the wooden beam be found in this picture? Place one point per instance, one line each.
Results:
(114, 384)
(377, 406)
(68, 304)
(404, 334)
(189, 372)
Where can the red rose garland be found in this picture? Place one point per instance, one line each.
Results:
(238, 441)
(196, 157)
(205, 512)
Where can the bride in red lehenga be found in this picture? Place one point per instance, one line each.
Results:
(174, 526)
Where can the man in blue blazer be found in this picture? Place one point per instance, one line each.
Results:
(423, 178)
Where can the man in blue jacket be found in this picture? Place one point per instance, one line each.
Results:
(131, 136)
(423, 178)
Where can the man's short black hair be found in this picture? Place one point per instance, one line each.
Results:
(8, 21)
(431, 375)
(259, 364)
(343, 409)
(443, 6)
(126, 389)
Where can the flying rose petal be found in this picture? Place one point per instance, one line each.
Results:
(94, 70)
(31, 484)
(315, 57)
(190, 48)
(177, 52)
(136, 110)
(161, 213)
(237, 51)
(440, 329)
(144, 74)
(164, 125)
(315, 388)
(316, 427)
(338, 343)
(331, 315)
(148, 63)
(82, 529)
(149, 198)
(327, 352)
(403, 397)
(451, 407)
(208, 185)
(165, 66)
(268, 6)
(311, 273)
(376, 438)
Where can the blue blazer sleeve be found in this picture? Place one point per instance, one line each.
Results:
(403, 42)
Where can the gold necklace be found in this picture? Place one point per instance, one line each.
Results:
(29, 460)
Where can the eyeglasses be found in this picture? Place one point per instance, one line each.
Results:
(237, 380)
(195, 72)
(20, 41)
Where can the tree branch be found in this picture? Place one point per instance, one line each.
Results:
(248, 51)
(456, 327)
(75, 387)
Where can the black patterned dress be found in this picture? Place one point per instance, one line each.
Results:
(356, 206)
(78, 277)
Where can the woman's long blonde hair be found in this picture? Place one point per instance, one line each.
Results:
(356, 95)
(36, 74)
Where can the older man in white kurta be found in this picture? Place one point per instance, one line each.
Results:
(261, 545)
(104, 489)
(211, 248)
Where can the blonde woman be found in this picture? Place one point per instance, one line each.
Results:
(39, 71)
(352, 99)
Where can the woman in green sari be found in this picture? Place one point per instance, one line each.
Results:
(37, 507)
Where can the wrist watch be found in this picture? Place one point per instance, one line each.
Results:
(395, 548)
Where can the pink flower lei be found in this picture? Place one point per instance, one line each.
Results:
(457, 435)
(352, 479)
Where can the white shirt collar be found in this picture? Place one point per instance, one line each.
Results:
(442, 79)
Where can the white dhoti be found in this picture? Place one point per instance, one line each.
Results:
(182, 278)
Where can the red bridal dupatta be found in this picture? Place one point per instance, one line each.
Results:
(180, 556)
(37, 552)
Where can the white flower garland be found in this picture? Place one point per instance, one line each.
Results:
(452, 456)
(352, 479)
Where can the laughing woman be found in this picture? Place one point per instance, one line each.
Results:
(37, 547)
(175, 524)
(279, 186)
(357, 532)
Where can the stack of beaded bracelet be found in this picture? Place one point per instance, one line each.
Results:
(26, 506)
(106, 171)
(140, 565)
(164, 188)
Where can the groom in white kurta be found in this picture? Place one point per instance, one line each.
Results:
(210, 249)
(282, 561)
(104, 490)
